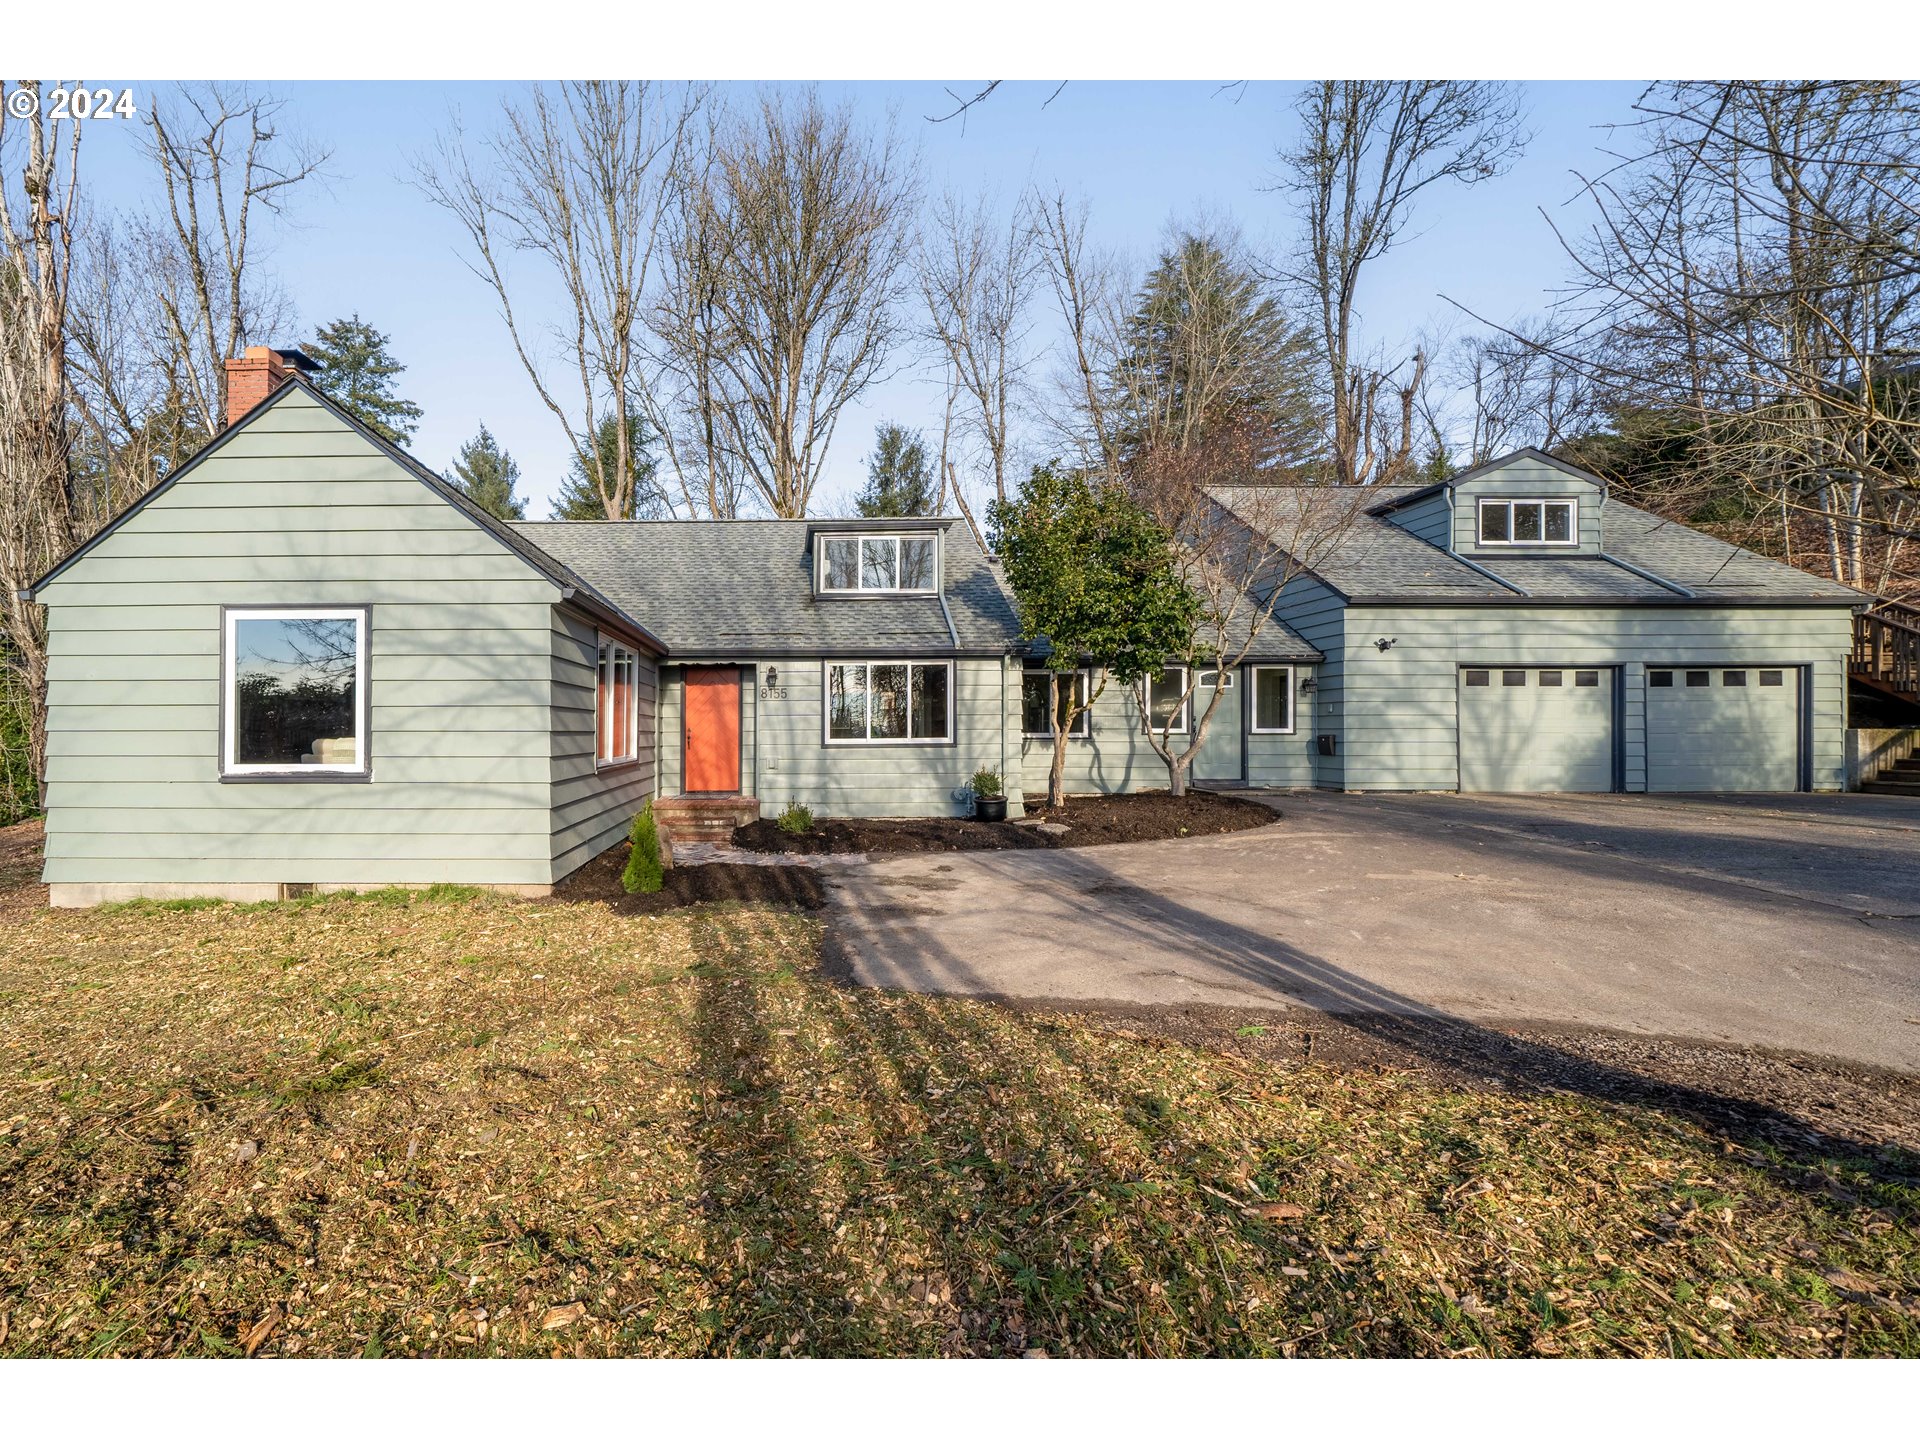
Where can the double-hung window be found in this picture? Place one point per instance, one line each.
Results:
(294, 693)
(1166, 696)
(1527, 522)
(878, 564)
(617, 704)
(889, 702)
(1273, 699)
(1036, 698)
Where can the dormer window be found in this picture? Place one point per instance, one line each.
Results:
(877, 564)
(1527, 522)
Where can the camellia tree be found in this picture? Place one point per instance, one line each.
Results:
(1094, 576)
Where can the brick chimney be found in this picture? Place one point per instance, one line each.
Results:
(259, 372)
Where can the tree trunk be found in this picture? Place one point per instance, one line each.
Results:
(1057, 774)
(1177, 777)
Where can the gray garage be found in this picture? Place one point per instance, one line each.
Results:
(1537, 728)
(1723, 728)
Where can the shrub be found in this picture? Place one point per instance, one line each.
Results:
(19, 791)
(796, 819)
(644, 874)
(985, 784)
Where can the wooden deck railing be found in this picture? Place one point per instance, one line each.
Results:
(1886, 649)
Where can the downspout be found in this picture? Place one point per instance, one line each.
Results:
(1674, 585)
(1497, 579)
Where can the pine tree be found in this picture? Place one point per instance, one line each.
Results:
(487, 473)
(358, 373)
(1210, 346)
(899, 478)
(579, 497)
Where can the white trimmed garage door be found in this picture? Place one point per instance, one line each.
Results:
(1723, 728)
(1536, 729)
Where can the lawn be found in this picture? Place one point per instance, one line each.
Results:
(453, 1124)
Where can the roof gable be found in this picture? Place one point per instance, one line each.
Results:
(264, 430)
(725, 588)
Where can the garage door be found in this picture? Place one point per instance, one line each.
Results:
(1536, 729)
(1724, 729)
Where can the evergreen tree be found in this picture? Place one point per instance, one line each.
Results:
(1210, 346)
(357, 371)
(899, 478)
(487, 473)
(579, 497)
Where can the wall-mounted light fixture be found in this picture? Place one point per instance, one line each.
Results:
(1309, 684)
(773, 676)
(1383, 644)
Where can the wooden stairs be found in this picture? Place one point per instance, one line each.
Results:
(1886, 650)
(709, 818)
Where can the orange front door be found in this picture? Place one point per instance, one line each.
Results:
(713, 731)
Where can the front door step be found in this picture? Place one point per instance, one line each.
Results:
(687, 818)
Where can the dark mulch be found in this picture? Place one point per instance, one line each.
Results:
(1090, 820)
(790, 886)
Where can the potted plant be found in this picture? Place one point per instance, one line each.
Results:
(988, 801)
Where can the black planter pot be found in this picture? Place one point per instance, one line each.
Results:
(989, 807)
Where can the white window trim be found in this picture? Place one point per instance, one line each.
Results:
(1208, 672)
(827, 737)
(860, 537)
(616, 646)
(1253, 703)
(1573, 520)
(229, 707)
(1186, 703)
(1082, 728)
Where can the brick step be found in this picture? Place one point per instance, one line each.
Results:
(704, 817)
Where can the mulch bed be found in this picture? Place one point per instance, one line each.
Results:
(791, 886)
(1090, 820)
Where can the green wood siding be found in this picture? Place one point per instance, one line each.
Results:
(592, 808)
(784, 758)
(1431, 519)
(1525, 478)
(1116, 757)
(296, 509)
(1319, 615)
(1400, 708)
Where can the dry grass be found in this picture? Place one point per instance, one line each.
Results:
(456, 1124)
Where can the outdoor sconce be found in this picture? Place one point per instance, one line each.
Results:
(1383, 644)
(1310, 684)
(773, 676)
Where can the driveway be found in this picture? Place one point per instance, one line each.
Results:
(1786, 922)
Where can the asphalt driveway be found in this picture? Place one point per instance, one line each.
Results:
(1786, 922)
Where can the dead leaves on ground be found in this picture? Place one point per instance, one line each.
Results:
(434, 1126)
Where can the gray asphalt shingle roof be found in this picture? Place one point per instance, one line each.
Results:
(745, 587)
(1375, 559)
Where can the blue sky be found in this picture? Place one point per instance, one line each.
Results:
(1143, 154)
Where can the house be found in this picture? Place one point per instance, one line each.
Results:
(305, 662)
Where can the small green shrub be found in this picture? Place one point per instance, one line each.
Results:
(796, 819)
(644, 874)
(985, 784)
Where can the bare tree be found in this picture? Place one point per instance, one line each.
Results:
(1236, 546)
(580, 176)
(978, 270)
(1086, 293)
(1519, 391)
(1368, 148)
(37, 522)
(1745, 302)
(223, 161)
(807, 216)
(690, 328)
